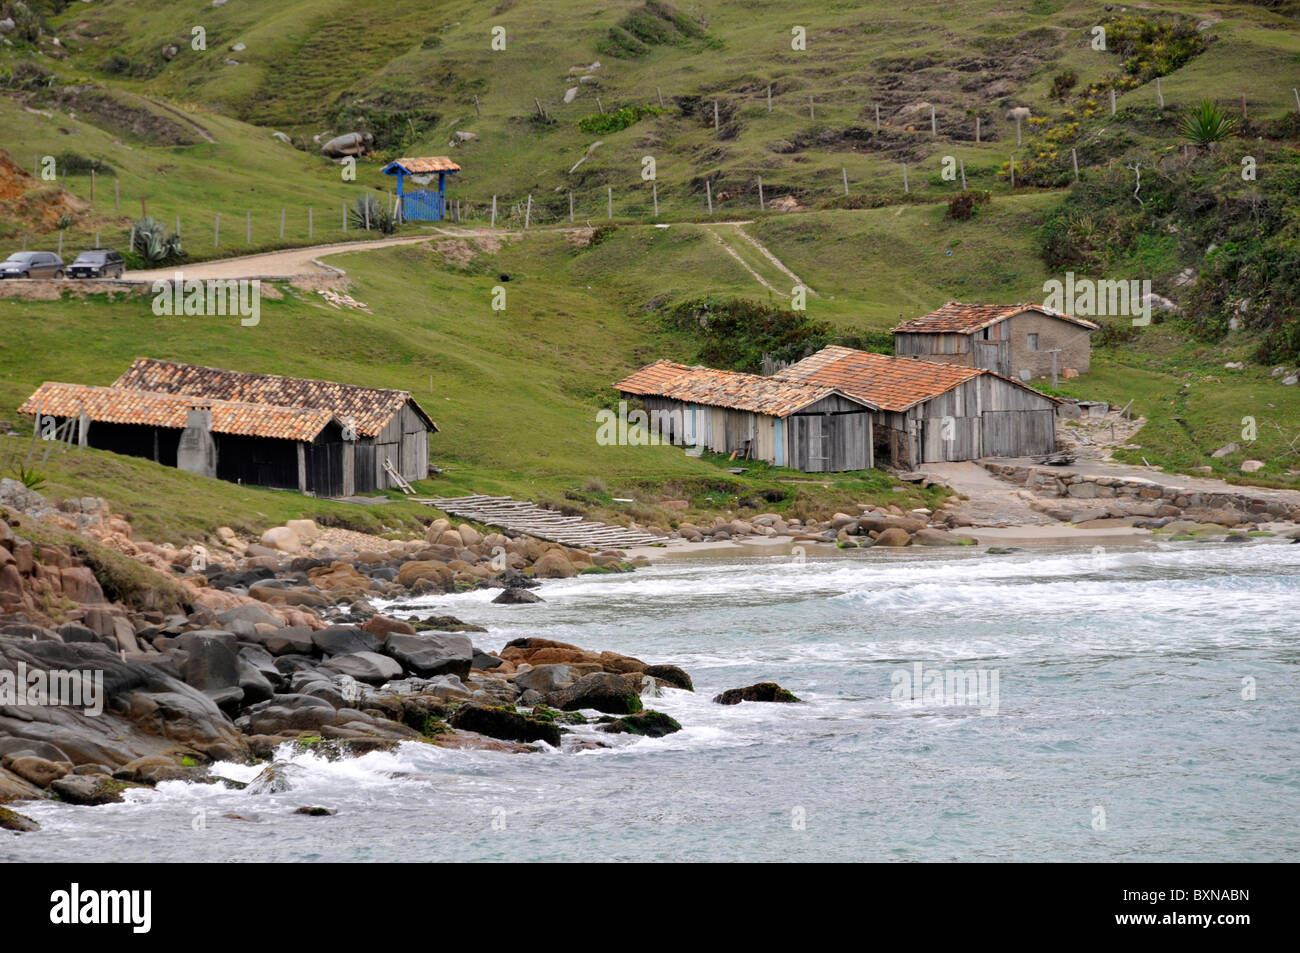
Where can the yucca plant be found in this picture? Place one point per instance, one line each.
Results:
(1206, 124)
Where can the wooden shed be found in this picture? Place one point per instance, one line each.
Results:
(1018, 340)
(381, 429)
(930, 412)
(806, 427)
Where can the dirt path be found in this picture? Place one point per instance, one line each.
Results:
(992, 502)
(762, 250)
(278, 264)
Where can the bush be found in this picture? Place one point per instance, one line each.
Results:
(963, 204)
(1206, 124)
(602, 124)
(74, 164)
(1063, 83)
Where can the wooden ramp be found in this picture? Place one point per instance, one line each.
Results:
(545, 524)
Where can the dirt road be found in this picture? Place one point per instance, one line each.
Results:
(277, 264)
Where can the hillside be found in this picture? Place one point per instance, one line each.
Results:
(188, 135)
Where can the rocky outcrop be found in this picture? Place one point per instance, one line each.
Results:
(760, 692)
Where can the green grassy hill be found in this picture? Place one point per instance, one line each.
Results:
(190, 132)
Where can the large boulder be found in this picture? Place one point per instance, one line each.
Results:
(649, 723)
(425, 569)
(603, 691)
(348, 144)
(760, 692)
(515, 596)
(506, 724)
(893, 536)
(554, 565)
(546, 678)
(369, 667)
(210, 663)
(672, 675)
(344, 640)
(443, 653)
(282, 539)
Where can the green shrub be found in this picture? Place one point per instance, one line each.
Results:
(602, 124)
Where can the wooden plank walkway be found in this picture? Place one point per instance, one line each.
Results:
(533, 520)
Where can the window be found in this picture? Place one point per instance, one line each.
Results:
(1031, 341)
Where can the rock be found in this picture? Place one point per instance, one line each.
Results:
(1018, 112)
(251, 612)
(939, 537)
(345, 640)
(505, 724)
(291, 640)
(485, 661)
(760, 692)
(39, 771)
(210, 663)
(314, 811)
(369, 667)
(276, 778)
(349, 144)
(430, 570)
(282, 539)
(603, 691)
(546, 678)
(514, 597)
(381, 626)
(1251, 466)
(1225, 450)
(429, 655)
(893, 537)
(570, 93)
(91, 789)
(650, 723)
(672, 675)
(554, 565)
(12, 820)
(461, 136)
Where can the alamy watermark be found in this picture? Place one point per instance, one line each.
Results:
(642, 428)
(1086, 298)
(210, 297)
(55, 687)
(920, 687)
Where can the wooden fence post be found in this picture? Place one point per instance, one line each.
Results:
(708, 194)
(570, 206)
(1112, 103)
(905, 188)
(216, 231)
(715, 115)
(610, 199)
(769, 97)
(92, 186)
(309, 222)
(528, 212)
(1013, 172)
(117, 195)
(660, 93)
(477, 111)
(599, 106)
(761, 205)
(977, 130)
(1160, 97)
(1017, 130)
(962, 164)
(1074, 160)
(877, 117)
(345, 218)
(934, 124)
(845, 174)
(812, 114)
(494, 212)
(654, 191)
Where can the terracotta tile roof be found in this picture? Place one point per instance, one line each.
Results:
(422, 165)
(121, 405)
(956, 318)
(730, 389)
(891, 383)
(370, 407)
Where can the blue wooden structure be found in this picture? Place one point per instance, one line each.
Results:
(422, 205)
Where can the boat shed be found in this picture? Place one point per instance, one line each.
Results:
(929, 412)
(810, 427)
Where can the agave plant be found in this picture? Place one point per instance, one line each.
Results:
(1206, 124)
(151, 241)
(368, 212)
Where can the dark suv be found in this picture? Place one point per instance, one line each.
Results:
(97, 263)
(32, 264)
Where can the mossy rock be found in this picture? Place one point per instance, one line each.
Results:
(758, 692)
(648, 723)
(506, 724)
(13, 821)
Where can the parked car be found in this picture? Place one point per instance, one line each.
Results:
(97, 263)
(32, 264)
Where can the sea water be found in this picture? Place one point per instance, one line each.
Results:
(1147, 708)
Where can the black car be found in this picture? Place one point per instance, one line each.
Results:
(32, 264)
(97, 263)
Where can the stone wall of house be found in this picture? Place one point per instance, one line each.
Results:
(1248, 502)
(1052, 333)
